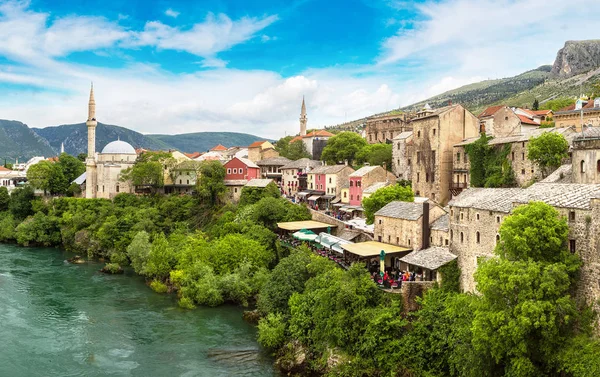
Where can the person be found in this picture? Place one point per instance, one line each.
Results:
(386, 276)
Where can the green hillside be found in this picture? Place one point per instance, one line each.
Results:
(74, 137)
(203, 141)
(19, 141)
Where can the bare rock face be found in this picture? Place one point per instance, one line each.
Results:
(577, 57)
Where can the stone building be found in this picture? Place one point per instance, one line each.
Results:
(500, 121)
(295, 175)
(476, 216)
(271, 167)
(586, 157)
(365, 177)
(260, 150)
(402, 149)
(582, 113)
(406, 224)
(314, 142)
(385, 128)
(525, 170)
(103, 170)
(435, 132)
(440, 231)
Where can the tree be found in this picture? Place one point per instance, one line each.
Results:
(297, 150)
(4, 199)
(39, 175)
(526, 312)
(146, 174)
(251, 195)
(139, 252)
(209, 185)
(558, 104)
(20, 202)
(82, 156)
(71, 167)
(548, 150)
(343, 147)
(282, 145)
(382, 197)
(490, 166)
(536, 105)
(375, 155)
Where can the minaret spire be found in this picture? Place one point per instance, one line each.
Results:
(90, 161)
(62, 148)
(92, 105)
(303, 118)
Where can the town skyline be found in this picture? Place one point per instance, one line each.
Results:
(175, 68)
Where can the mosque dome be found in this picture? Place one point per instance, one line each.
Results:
(118, 147)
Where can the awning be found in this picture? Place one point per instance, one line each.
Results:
(336, 200)
(331, 242)
(338, 204)
(314, 197)
(327, 197)
(305, 235)
(309, 224)
(431, 258)
(304, 193)
(372, 248)
(346, 209)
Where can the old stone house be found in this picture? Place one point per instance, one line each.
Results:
(402, 150)
(294, 175)
(440, 231)
(271, 167)
(260, 150)
(500, 121)
(586, 157)
(477, 214)
(435, 132)
(571, 116)
(385, 128)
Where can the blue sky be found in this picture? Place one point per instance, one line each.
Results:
(238, 65)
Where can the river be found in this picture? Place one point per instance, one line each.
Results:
(59, 319)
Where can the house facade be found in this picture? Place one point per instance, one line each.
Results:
(294, 175)
(363, 178)
(329, 179)
(241, 169)
(385, 128)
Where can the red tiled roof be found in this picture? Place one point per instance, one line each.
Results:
(53, 159)
(319, 133)
(530, 112)
(257, 144)
(542, 112)
(297, 138)
(526, 120)
(588, 105)
(490, 111)
(193, 155)
(219, 148)
(2, 168)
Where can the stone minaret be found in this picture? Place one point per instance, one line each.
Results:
(90, 161)
(62, 148)
(303, 118)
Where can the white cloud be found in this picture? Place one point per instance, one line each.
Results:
(171, 13)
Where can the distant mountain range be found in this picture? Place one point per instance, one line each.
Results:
(575, 69)
(17, 140)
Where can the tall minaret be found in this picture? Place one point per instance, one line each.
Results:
(90, 161)
(62, 148)
(303, 118)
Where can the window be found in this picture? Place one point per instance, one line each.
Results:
(477, 216)
(351, 183)
(451, 234)
(426, 177)
(523, 171)
(434, 132)
(458, 157)
(389, 238)
(497, 238)
(505, 118)
(432, 177)
(598, 166)
(478, 237)
(498, 219)
(462, 216)
(229, 171)
(523, 144)
(451, 212)
(465, 158)
(379, 221)
(432, 194)
(418, 176)
(513, 156)
(188, 181)
(409, 242)
(523, 156)
(180, 181)
(235, 190)
(572, 246)
(572, 216)
(409, 161)
(398, 145)
(462, 237)
(379, 238)
(352, 198)
(329, 179)
(345, 194)
(117, 188)
(357, 183)
(102, 188)
(433, 157)
(446, 242)
(418, 157)
(397, 239)
(418, 133)
(357, 197)
(582, 166)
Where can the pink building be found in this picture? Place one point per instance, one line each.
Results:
(366, 177)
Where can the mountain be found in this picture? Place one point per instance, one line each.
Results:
(577, 57)
(74, 136)
(19, 141)
(203, 141)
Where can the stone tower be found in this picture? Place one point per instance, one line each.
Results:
(90, 161)
(303, 118)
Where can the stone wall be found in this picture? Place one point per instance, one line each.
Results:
(586, 161)
(439, 238)
(410, 290)
(381, 129)
(505, 123)
(319, 216)
(402, 151)
(573, 119)
(402, 232)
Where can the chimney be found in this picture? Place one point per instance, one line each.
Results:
(425, 231)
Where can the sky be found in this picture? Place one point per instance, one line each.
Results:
(183, 66)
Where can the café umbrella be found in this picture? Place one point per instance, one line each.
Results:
(305, 235)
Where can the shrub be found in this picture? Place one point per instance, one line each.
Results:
(271, 331)
(158, 286)
(112, 268)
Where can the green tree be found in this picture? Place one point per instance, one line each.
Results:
(4, 199)
(145, 174)
(282, 145)
(161, 259)
(382, 197)
(251, 195)
(39, 175)
(71, 167)
(490, 166)
(82, 156)
(139, 252)
(558, 104)
(210, 186)
(548, 151)
(536, 105)
(375, 155)
(21, 202)
(297, 150)
(343, 147)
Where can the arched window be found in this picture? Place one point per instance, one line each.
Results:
(582, 166)
(462, 237)
(598, 166)
(478, 236)
(418, 133)
(497, 238)
(451, 235)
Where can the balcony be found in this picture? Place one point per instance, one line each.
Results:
(459, 185)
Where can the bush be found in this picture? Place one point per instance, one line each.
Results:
(112, 268)
(271, 331)
(158, 286)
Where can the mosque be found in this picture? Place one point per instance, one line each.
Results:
(103, 169)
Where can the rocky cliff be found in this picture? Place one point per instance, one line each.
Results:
(577, 57)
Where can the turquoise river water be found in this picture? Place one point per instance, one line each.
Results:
(59, 319)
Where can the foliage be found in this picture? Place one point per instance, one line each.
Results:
(382, 197)
(139, 251)
(158, 286)
(343, 147)
(4, 199)
(82, 156)
(112, 268)
(39, 229)
(251, 195)
(21, 202)
(55, 178)
(536, 105)
(297, 150)
(548, 151)
(450, 277)
(271, 331)
(209, 185)
(375, 155)
(489, 165)
(71, 167)
(558, 104)
(145, 174)
(7, 227)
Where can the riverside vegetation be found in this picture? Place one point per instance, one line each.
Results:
(314, 316)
